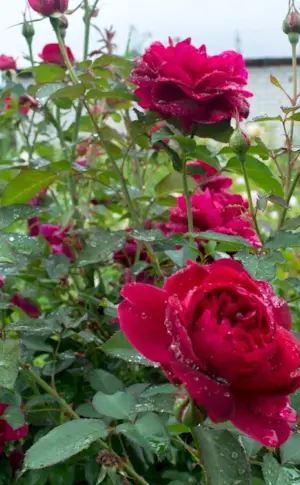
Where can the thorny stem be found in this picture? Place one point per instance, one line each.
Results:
(125, 190)
(65, 406)
(289, 196)
(251, 207)
(187, 198)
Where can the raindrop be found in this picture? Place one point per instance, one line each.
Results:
(234, 455)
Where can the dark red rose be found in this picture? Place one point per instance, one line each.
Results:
(60, 241)
(182, 81)
(33, 226)
(7, 62)
(25, 103)
(49, 7)
(127, 255)
(221, 212)
(227, 338)
(7, 433)
(16, 458)
(51, 54)
(210, 178)
(28, 306)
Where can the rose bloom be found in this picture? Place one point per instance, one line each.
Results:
(220, 212)
(182, 81)
(49, 7)
(7, 62)
(27, 305)
(227, 338)
(51, 54)
(7, 433)
(209, 179)
(25, 103)
(59, 240)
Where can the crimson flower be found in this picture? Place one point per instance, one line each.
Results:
(7, 433)
(25, 103)
(51, 54)
(210, 178)
(183, 81)
(227, 338)
(7, 62)
(221, 212)
(59, 239)
(49, 7)
(27, 305)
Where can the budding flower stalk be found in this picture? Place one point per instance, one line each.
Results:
(239, 142)
(291, 26)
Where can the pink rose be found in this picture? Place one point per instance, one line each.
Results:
(227, 338)
(7, 62)
(182, 81)
(221, 212)
(210, 179)
(49, 7)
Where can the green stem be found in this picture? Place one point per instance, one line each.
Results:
(187, 198)
(289, 196)
(131, 209)
(87, 26)
(65, 406)
(251, 207)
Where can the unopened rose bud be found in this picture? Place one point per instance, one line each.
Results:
(291, 26)
(239, 142)
(28, 30)
(187, 412)
(49, 7)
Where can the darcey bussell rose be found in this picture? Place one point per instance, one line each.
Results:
(183, 81)
(227, 338)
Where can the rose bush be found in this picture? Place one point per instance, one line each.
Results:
(227, 338)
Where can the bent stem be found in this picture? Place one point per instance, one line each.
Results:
(188, 199)
(289, 196)
(251, 207)
(70, 412)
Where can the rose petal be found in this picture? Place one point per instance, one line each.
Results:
(180, 283)
(206, 391)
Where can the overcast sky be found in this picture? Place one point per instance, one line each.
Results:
(212, 22)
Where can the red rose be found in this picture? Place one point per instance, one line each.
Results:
(227, 338)
(7, 63)
(7, 433)
(51, 54)
(210, 179)
(49, 7)
(221, 212)
(28, 306)
(60, 241)
(25, 103)
(184, 82)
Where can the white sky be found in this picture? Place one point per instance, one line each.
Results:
(212, 22)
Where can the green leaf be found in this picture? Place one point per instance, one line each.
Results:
(151, 427)
(104, 381)
(44, 92)
(117, 406)
(290, 451)
(201, 152)
(283, 240)
(118, 346)
(223, 457)
(15, 248)
(14, 212)
(161, 134)
(106, 60)
(150, 235)
(173, 183)
(220, 131)
(273, 473)
(62, 475)
(26, 185)
(275, 82)
(100, 246)
(261, 119)
(35, 477)
(9, 357)
(295, 117)
(262, 267)
(69, 92)
(47, 73)
(216, 236)
(259, 173)
(63, 442)
(14, 416)
(292, 223)
(57, 266)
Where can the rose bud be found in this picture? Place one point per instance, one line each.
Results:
(187, 412)
(291, 23)
(239, 142)
(28, 30)
(49, 7)
(63, 24)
